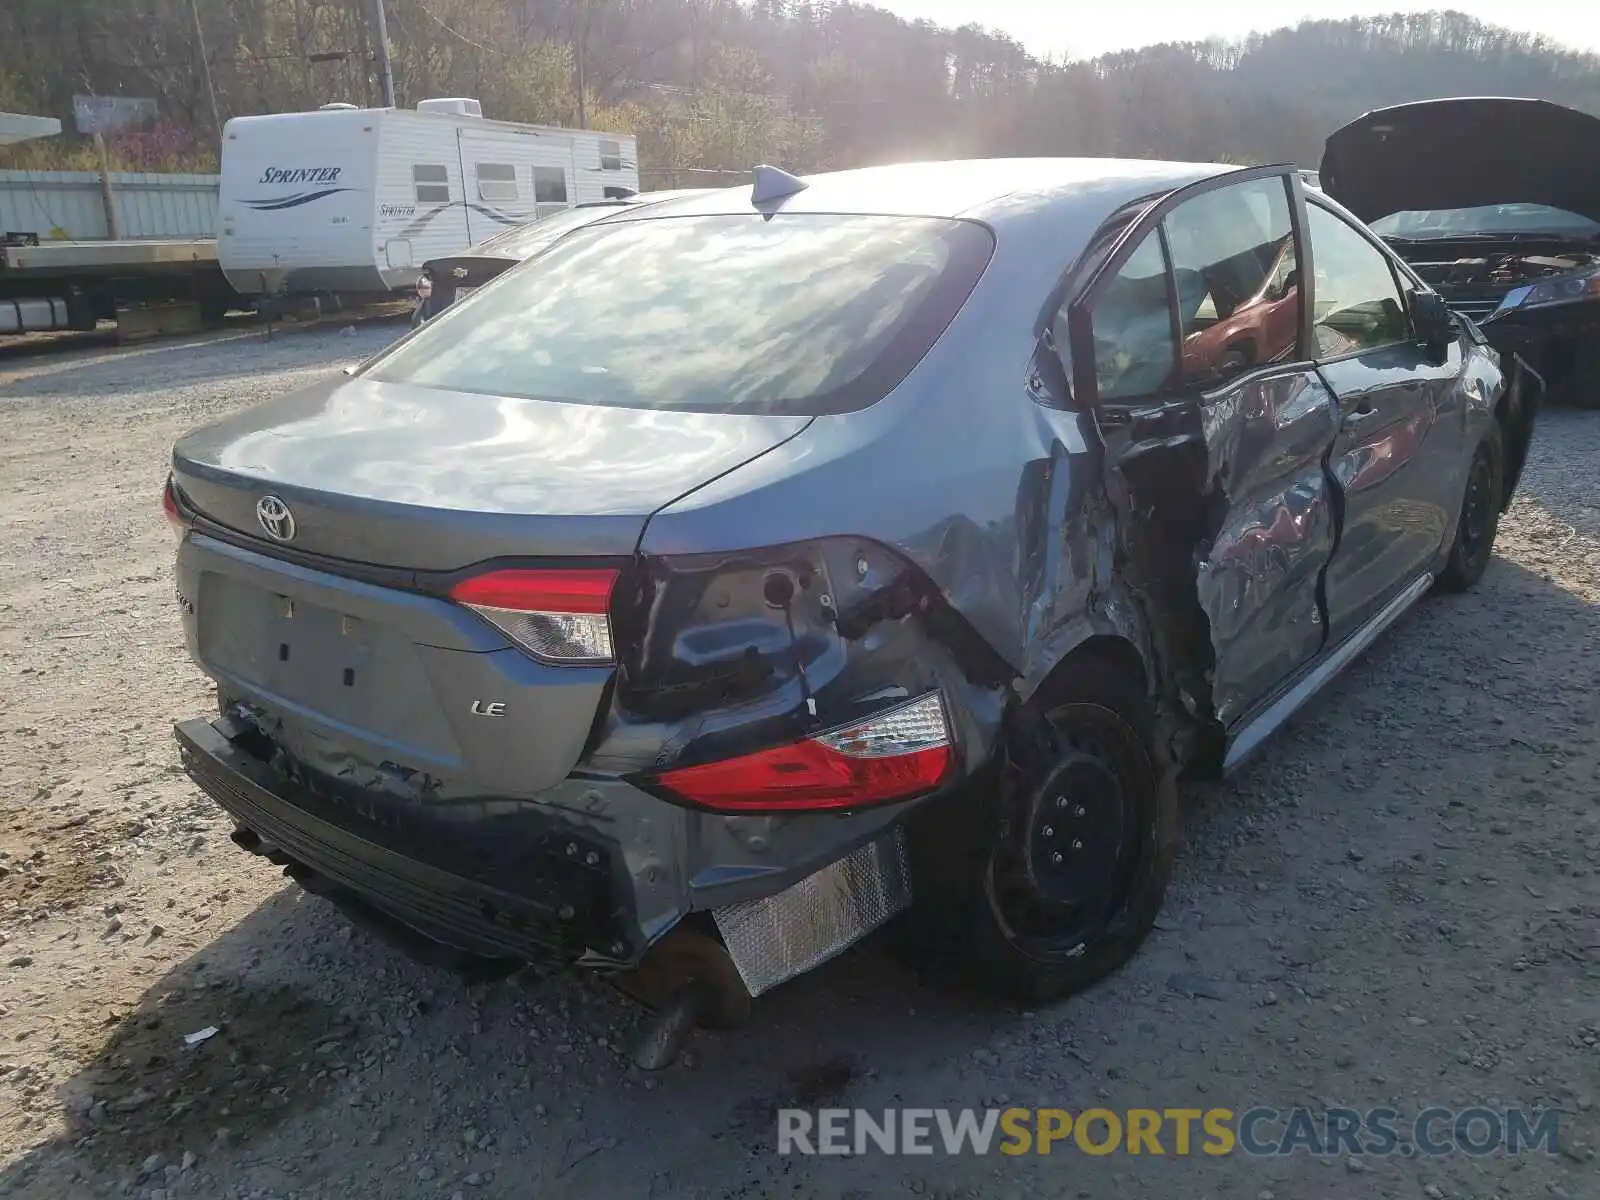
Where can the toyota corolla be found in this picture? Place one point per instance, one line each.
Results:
(751, 570)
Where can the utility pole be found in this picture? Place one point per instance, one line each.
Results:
(580, 45)
(205, 62)
(108, 197)
(583, 107)
(385, 71)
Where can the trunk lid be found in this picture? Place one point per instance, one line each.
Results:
(423, 479)
(1465, 153)
(457, 277)
(364, 676)
(381, 689)
(464, 272)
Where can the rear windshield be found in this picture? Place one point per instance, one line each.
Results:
(799, 314)
(1489, 219)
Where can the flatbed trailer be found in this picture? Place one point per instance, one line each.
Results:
(107, 258)
(80, 247)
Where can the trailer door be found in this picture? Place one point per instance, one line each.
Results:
(513, 179)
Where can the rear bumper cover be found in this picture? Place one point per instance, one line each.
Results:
(564, 891)
(567, 905)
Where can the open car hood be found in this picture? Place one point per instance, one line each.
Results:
(1465, 153)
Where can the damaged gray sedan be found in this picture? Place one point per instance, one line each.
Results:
(753, 569)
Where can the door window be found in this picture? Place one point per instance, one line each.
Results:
(1359, 305)
(497, 182)
(610, 155)
(549, 185)
(1214, 294)
(1235, 278)
(432, 183)
(1131, 319)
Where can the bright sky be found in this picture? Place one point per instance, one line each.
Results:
(1083, 31)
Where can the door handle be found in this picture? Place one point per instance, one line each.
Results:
(1360, 413)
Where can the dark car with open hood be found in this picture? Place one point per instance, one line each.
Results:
(746, 572)
(1495, 202)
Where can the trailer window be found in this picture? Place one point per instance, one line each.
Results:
(497, 181)
(432, 182)
(755, 313)
(549, 185)
(610, 155)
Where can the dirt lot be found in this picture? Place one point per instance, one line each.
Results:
(1396, 905)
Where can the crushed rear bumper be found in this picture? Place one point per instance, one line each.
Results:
(565, 903)
(536, 884)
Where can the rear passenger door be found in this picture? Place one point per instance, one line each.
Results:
(1399, 419)
(1192, 348)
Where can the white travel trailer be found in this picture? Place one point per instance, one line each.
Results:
(353, 200)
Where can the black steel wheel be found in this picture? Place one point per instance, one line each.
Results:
(1066, 848)
(1066, 876)
(1479, 521)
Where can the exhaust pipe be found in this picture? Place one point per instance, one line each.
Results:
(251, 841)
(690, 980)
(246, 839)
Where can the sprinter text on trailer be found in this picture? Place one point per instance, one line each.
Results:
(352, 200)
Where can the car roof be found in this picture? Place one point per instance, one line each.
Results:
(989, 189)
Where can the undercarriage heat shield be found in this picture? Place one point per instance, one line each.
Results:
(785, 935)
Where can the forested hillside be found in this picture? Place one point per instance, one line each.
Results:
(725, 83)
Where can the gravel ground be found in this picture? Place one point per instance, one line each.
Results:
(1395, 905)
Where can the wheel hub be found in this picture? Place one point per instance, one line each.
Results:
(1075, 832)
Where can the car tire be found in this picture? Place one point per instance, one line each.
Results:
(1479, 519)
(1088, 810)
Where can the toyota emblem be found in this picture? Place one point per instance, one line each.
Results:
(275, 518)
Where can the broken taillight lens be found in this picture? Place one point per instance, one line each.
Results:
(557, 616)
(892, 756)
(169, 505)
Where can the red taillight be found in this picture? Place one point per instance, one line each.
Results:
(169, 505)
(892, 756)
(586, 592)
(560, 616)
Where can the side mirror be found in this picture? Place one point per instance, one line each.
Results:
(1432, 318)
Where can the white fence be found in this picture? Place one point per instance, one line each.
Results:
(68, 204)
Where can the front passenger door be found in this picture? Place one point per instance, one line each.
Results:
(1394, 403)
